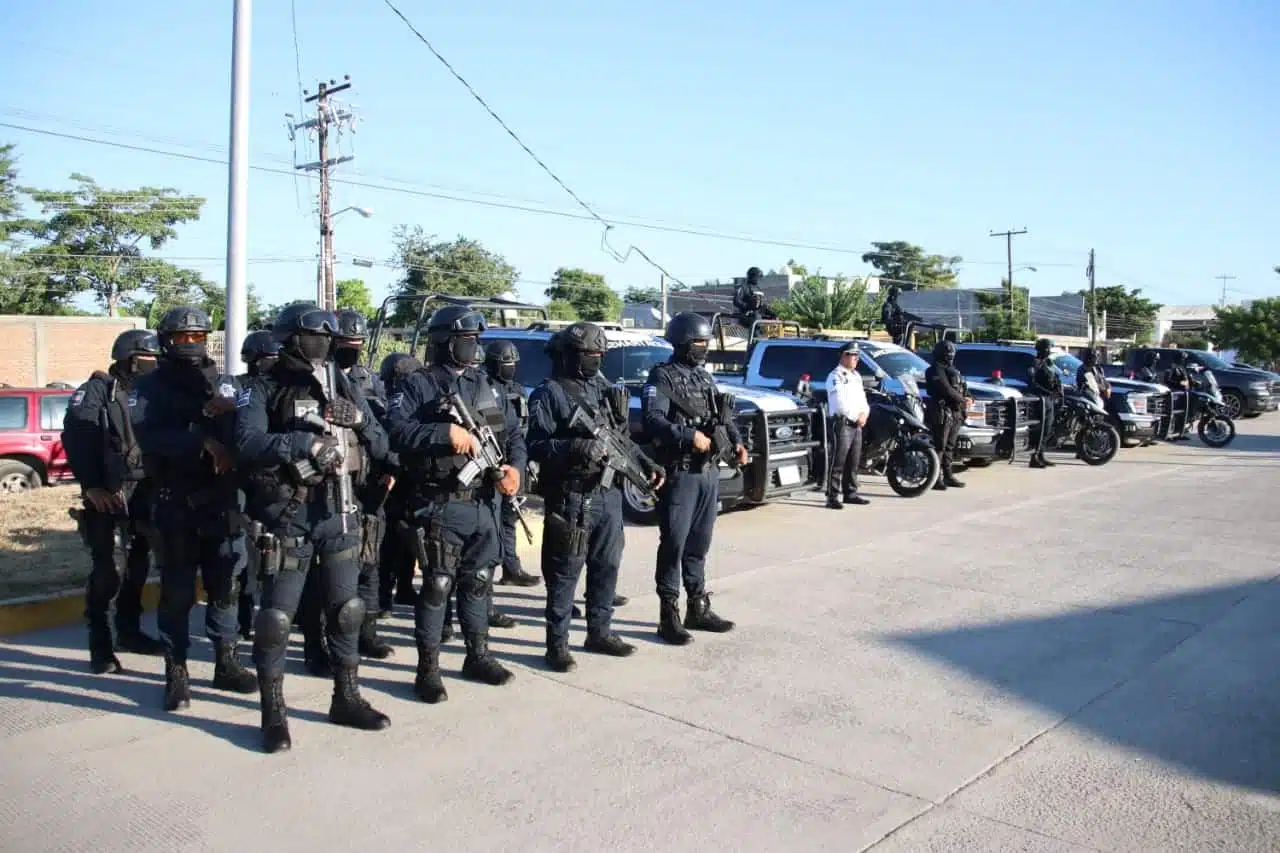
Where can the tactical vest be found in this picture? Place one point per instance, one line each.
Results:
(123, 457)
(292, 401)
(439, 472)
(690, 393)
(193, 474)
(519, 402)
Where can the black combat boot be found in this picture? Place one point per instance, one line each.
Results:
(131, 638)
(315, 653)
(348, 707)
(941, 485)
(518, 577)
(498, 619)
(669, 627)
(608, 644)
(370, 644)
(949, 480)
(621, 601)
(481, 666)
(275, 716)
(428, 684)
(559, 659)
(833, 502)
(177, 685)
(102, 655)
(700, 617)
(229, 674)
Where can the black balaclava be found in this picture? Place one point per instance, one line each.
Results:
(506, 372)
(262, 365)
(944, 353)
(1151, 359)
(189, 354)
(694, 353)
(462, 350)
(346, 355)
(1043, 348)
(1090, 357)
(137, 366)
(312, 347)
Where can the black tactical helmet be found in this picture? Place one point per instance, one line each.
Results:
(1090, 356)
(1183, 356)
(894, 292)
(454, 333)
(687, 327)
(582, 346)
(303, 317)
(500, 359)
(352, 324)
(1151, 358)
(396, 366)
(1044, 346)
(754, 275)
(183, 318)
(260, 344)
(944, 352)
(135, 342)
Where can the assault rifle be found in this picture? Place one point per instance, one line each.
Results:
(488, 461)
(306, 471)
(620, 454)
(716, 426)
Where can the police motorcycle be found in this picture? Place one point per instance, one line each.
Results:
(1082, 420)
(896, 442)
(1213, 417)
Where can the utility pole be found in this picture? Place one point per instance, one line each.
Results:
(1008, 240)
(662, 284)
(1093, 305)
(1224, 279)
(238, 189)
(326, 114)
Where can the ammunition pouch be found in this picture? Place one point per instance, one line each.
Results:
(564, 537)
(620, 403)
(303, 472)
(371, 533)
(435, 555)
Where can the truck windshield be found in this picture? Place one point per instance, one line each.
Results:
(1210, 360)
(900, 364)
(789, 362)
(632, 364)
(1067, 363)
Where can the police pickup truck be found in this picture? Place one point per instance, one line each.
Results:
(782, 436)
(992, 428)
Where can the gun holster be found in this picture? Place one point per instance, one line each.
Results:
(565, 537)
(371, 532)
(269, 549)
(435, 555)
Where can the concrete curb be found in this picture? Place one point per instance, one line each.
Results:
(60, 609)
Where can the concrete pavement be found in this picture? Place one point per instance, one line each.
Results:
(1068, 660)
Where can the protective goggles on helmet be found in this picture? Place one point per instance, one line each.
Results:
(318, 321)
(468, 324)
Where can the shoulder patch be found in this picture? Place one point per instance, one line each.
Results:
(396, 401)
(650, 391)
(77, 398)
(243, 398)
(133, 397)
(226, 389)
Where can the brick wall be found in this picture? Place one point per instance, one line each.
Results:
(36, 350)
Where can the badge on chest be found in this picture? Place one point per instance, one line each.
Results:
(302, 408)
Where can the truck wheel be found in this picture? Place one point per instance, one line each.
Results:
(1234, 403)
(17, 477)
(637, 507)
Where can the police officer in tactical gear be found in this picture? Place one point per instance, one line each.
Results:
(893, 318)
(259, 352)
(183, 415)
(454, 506)
(1178, 379)
(1090, 377)
(583, 518)
(681, 407)
(1047, 385)
(945, 408)
(748, 300)
(104, 456)
(500, 360)
(1150, 362)
(395, 573)
(306, 433)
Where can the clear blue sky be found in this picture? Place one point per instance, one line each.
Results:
(1147, 130)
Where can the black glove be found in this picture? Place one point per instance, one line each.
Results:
(344, 413)
(327, 456)
(588, 448)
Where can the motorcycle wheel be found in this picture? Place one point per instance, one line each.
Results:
(908, 465)
(1098, 444)
(1216, 431)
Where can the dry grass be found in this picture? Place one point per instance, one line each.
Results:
(40, 551)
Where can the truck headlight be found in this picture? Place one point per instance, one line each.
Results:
(976, 414)
(1138, 403)
(1260, 387)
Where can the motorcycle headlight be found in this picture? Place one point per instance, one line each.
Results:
(976, 414)
(1138, 403)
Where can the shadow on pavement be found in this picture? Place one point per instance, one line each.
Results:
(1210, 704)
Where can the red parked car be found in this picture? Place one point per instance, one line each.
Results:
(31, 452)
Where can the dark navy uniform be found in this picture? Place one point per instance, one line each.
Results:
(104, 457)
(500, 360)
(259, 351)
(455, 526)
(1043, 381)
(182, 414)
(945, 409)
(396, 562)
(584, 522)
(677, 400)
(302, 511)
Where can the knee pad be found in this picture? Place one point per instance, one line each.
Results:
(351, 615)
(437, 590)
(477, 585)
(272, 627)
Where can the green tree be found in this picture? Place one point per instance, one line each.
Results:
(818, 304)
(588, 293)
(191, 288)
(460, 267)
(22, 289)
(354, 293)
(559, 309)
(642, 296)
(1128, 312)
(999, 323)
(92, 239)
(905, 262)
(1186, 340)
(1254, 332)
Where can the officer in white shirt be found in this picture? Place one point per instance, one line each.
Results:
(848, 409)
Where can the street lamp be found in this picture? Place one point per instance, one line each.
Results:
(365, 212)
(1028, 268)
(324, 270)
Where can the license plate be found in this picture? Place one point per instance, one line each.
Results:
(788, 475)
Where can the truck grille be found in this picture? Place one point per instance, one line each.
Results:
(789, 429)
(747, 426)
(1275, 389)
(1158, 405)
(1028, 409)
(1000, 413)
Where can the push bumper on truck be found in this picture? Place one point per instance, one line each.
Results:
(1011, 427)
(786, 448)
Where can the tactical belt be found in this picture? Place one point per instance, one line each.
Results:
(473, 494)
(581, 485)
